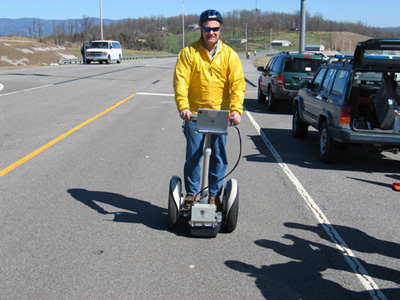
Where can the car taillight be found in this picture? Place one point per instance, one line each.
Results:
(279, 79)
(345, 116)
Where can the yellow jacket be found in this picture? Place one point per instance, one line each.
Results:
(200, 82)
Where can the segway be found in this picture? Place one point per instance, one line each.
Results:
(203, 219)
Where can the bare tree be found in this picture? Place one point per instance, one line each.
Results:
(32, 29)
(40, 29)
(87, 24)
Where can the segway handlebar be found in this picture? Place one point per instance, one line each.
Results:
(193, 117)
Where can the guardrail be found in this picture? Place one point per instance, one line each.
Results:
(79, 60)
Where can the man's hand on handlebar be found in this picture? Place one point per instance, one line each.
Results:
(185, 114)
(235, 118)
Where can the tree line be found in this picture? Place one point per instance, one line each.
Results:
(149, 33)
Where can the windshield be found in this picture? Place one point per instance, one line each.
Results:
(99, 45)
(302, 65)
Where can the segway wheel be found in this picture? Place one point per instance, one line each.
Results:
(174, 200)
(232, 205)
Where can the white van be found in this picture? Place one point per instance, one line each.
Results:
(104, 51)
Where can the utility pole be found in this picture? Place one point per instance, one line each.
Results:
(270, 40)
(101, 21)
(183, 24)
(302, 26)
(246, 38)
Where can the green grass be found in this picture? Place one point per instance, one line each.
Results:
(125, 52)
(258, 41)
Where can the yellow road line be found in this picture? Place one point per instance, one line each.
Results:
(56, 140)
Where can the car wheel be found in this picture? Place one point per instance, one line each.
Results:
(272, 103)
(261, 97)
(328, 148)
(119, 60)
(109, 59)
(299, 127)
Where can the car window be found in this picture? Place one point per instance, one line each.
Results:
(319, 77)
(340, 83)
(271, 63)
(116, 45)
(302, 65)
(368, 78)
(100, 45)
(278, 64)
(328, 80)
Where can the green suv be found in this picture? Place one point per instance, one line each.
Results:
(280, 79)
(353, 100)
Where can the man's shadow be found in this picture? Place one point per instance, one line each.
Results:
(131, 210)
(302, 276)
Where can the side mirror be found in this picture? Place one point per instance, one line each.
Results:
(305, 84)
(261, 69)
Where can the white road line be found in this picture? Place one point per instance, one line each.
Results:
(155, 94)
(1, 86)
(26, 90)
(342, 246)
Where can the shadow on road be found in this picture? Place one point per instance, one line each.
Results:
(134, 210)
(303, 278)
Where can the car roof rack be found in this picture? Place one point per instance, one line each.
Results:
(304, 53)
(340, 59)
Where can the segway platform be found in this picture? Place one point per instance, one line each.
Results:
(204, 220)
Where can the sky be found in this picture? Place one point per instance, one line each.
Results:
(377, 13)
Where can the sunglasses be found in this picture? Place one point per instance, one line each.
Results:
(208, 29)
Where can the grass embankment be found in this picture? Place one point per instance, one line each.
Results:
(17, 51)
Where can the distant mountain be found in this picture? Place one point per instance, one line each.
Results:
(20, 27)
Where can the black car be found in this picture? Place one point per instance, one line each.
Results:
(280, 79)
(353, 100)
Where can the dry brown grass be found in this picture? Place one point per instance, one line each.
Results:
(27, 52)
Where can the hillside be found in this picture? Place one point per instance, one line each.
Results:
(25, 52)
(349, 40)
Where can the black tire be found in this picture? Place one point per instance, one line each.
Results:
(260, 96)
(119, 60)
(272, 103)
(172, 212)
(109, 60)
(88, 62)
(299, 127)
(328, 148)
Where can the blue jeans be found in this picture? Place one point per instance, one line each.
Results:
(194, 153)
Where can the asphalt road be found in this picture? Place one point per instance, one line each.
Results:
(87, 152)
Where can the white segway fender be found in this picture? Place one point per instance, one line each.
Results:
(231, 204)
(175, 200)
(231, 190)
(176, 190)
